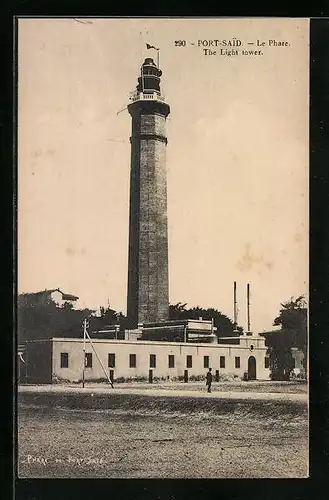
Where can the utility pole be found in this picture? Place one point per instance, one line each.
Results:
(248, 309)
(99, 360)
(84, 351)
(235, 314)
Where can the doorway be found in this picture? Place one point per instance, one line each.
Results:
(251, 368)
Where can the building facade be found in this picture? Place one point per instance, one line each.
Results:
(62, 359)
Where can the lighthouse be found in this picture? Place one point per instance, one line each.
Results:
(148, 285)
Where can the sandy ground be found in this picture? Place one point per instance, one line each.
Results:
(137, 435)
(269, 391)
(61, 443)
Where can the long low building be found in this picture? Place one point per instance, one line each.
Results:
(62, 359)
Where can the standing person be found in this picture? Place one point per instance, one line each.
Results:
(209, 380)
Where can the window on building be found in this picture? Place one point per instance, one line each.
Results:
(293, 362)
(89, 360)
(188, 361)
(153, 360)
(205, 361)
(237, 362)
(111, 360)
(267, 362)
(222, 362)
(64, 360)
(171, 361)
(132, 360)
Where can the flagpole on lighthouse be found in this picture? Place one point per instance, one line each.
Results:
(142, 76)
(148, 46)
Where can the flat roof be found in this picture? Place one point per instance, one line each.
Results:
(141, 342)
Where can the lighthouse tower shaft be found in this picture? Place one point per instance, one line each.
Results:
(148, 286)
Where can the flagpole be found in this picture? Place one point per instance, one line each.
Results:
(148, 46)
(141, 46)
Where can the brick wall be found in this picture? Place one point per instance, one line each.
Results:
(148, 296)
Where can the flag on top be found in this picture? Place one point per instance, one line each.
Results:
(148, 46)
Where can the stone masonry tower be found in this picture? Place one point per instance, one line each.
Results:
(148, 299)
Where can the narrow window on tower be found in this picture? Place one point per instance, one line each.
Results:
(111, 360)
(222, 362)
(205, 361)
(267, 362)
(188, 361)
(132, 360)
(152, 360)
(237, 362)
(88, 360)
(171, 361)
(64, 360)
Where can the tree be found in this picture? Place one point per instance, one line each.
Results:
(108, 317)
(68, 306)
(293, 321)
(224, 325)
(34, 319)
(45, 320)
(280, 354)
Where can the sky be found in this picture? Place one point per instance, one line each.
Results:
(237, 160)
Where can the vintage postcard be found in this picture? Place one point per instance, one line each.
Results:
(163, 232)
